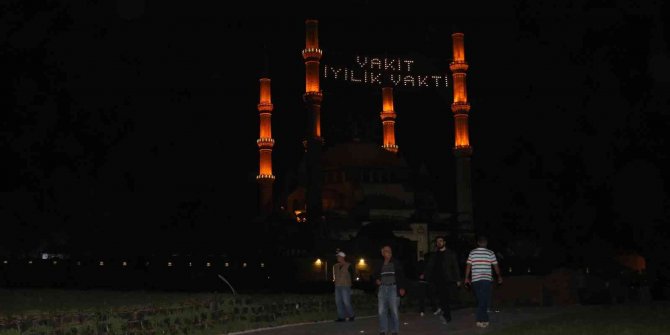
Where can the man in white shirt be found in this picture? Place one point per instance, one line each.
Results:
(479, 263)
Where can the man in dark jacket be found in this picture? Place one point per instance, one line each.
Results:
(424, 290)
(443, 272)
(390, 278)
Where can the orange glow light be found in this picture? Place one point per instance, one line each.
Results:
(266, 162)
(460, 90)
(265, 91)
(312, 34)
(462, 137)
(458, 47)
(312, 76)
(387, 99)
(389, 133)
(317, 130)
(265, 141)
(266, 126)
(388, 120)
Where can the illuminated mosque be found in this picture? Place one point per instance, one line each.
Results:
(351, 184)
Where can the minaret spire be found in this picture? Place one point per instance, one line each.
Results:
(265, 143)
(313, 144)
(388, 119)
(462, 149)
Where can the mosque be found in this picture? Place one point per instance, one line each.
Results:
(352, 184)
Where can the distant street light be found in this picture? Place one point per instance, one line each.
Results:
(318, 264)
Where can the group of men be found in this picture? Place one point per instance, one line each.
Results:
(441, 273)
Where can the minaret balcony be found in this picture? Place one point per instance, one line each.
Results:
(390, 147)
(462, 151)
(460, 107)
(388, 116)
(265, 107)
(265, 177)
(312, 54)
(318, 140)
(458, 66)
(313, 97)
(265, 143)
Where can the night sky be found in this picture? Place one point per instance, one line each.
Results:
(131, 121)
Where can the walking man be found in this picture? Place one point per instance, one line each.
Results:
(479, 262)
(442, 271)
(343, 274)
(391, 282)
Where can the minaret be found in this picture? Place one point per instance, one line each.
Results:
(265, 143)
(388, 119)
(313, 144)
(462, 148)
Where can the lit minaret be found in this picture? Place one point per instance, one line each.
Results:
(462, 148)
(313, 144)
(265, 143)
(388, 119)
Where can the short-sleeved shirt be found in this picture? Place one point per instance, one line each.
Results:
(481, 260)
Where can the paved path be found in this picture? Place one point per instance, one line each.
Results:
(412, 323)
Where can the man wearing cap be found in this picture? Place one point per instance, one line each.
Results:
(343, 274)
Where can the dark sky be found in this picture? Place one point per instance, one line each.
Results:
(134, 120)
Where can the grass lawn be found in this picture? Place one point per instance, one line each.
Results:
(81, 312)
(36, 301)
(596, 320)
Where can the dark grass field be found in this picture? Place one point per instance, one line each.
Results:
(37, 301)
(599, 320)
(626, 319)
